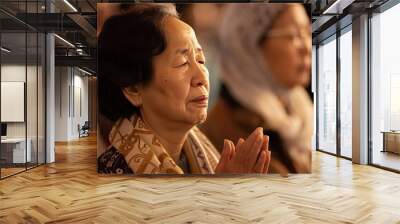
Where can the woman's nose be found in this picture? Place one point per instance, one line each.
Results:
(304, 44)
(200, 77)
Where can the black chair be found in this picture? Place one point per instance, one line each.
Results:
(84, 130)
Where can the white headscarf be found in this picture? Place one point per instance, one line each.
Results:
(248, 79)
(242, 61)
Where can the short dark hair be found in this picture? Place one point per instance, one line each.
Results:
(126, 47)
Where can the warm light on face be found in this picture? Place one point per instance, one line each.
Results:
(179, 89)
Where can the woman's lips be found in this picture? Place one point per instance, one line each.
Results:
(201, 101)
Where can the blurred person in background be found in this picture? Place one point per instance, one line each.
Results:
(265, 54)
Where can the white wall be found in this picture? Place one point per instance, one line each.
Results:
(61, 103)
(33, 127)
(16, 73)
(71, 94)
(80, 110)
(12, 73)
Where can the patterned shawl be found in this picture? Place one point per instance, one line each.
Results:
(144, 153)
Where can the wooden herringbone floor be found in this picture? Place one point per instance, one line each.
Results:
(70, 191)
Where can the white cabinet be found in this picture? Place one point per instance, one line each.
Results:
(16, 147)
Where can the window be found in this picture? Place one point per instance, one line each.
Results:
(385, 89)
(327, 95)
(346, 92)
(23, 89)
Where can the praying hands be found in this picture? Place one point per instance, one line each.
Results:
(247, 156)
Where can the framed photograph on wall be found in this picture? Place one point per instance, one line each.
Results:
(158, 65)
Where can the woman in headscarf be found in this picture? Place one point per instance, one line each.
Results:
(153, 89)
(265, 63)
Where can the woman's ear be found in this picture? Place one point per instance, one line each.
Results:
(133, 95)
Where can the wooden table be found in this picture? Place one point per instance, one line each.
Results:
(391, 141)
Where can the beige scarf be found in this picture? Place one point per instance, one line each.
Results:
(144, 153)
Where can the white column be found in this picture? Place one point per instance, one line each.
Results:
(360, 90)
(50, 93)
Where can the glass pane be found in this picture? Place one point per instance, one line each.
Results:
(41, 98)
(14, 153)
(386, 89)
(346, 94)
(327, 96)
(31, 98)
(313, 87)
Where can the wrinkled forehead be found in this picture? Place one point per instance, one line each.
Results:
(178, 33)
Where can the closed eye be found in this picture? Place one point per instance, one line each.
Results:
(184, 64)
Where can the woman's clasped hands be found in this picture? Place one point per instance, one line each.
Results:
(247, 156)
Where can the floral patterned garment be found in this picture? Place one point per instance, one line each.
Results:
(135, 149)
(113, 162)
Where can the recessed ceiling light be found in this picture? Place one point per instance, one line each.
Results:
(337, 7)
(65, 41)
(5, 50)
(84, 71)
(70, 5)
